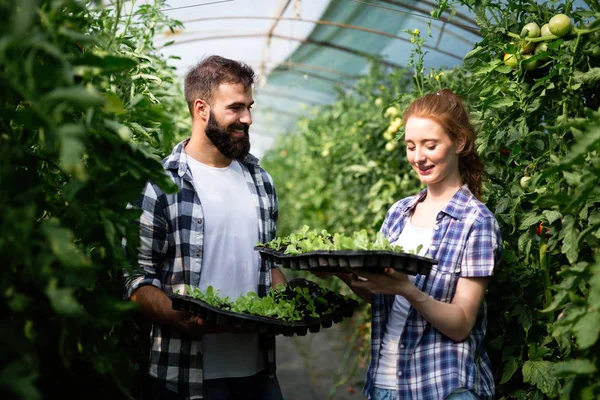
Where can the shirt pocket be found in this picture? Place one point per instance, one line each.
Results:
(441, 282)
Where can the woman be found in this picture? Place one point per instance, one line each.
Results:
(428, 331)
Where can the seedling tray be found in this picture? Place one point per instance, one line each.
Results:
(255, 323)
(336, 261)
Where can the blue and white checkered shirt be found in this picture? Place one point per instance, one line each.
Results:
(467, 243)
(170, 257)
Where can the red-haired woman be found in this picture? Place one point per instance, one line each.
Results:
(428, 332)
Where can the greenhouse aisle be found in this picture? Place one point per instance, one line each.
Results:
(307, 366)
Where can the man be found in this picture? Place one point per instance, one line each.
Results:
(204, 235)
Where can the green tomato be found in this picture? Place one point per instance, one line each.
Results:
(533, 30)
(545, 31)
(525, 181)
(527, 47)
(560, 25)
(510, 60)
(391, 146)
(596, 51)
(531, 65)
(540, 48)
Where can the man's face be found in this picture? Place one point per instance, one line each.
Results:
(230, 120)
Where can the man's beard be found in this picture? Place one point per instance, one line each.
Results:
(232, 147)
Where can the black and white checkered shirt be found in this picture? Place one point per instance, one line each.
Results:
(170, 257)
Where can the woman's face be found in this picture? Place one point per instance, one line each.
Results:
(431, 152)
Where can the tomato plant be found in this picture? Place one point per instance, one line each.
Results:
(87, 111)
(538, 122)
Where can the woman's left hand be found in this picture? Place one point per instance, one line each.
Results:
(388, 282)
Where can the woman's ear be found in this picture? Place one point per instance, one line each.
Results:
(460, 145)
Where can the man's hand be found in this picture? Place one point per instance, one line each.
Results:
(195, 327)
(322, 275)
(156, 305)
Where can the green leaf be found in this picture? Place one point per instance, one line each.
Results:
(75, 36)
(574, 367)
(502, 205)
(123, 131)
(584, 144)
(489, 67)
(594, 217)
(72, 149)
(147, 77)
(78, 96)
(504, 69)
(529, 221)
(587, 329)
(510, 368)
(62, 244)
(570, 234)
(63, 301)
(591, 76)
(526, 319)
(472, 52)
(552, 215)
(113, 104)
(20, 377)
(572, 178)
(539, 373)
(556, 301)
(505, 102)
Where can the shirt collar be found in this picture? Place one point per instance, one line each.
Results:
(177, 160)
(455, 208)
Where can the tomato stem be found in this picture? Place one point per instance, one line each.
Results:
(544, 268)
(552, 37)
(533, 40)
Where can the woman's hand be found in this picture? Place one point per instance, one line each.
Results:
(388, 282)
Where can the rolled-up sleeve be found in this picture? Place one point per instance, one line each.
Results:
(483, 248)
(153, 244)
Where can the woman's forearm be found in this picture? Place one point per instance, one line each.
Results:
(450, 319)
(454, 319)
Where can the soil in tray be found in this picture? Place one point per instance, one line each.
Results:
(329, 261)
(330, 306)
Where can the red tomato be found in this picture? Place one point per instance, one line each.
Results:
(538, 230)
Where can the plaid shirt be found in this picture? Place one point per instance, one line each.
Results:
(467, 243)
(170, 257)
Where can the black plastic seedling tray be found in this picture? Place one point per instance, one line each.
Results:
(336, 261)
(255, 323)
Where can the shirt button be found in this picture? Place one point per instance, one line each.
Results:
(433, 248)
(401, 346)
(436, 227)
(399, 373)
(197, 254)
(200, 221)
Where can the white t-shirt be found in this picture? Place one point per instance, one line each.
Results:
(229, 262)
(385, 376)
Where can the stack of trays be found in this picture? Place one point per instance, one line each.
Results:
(255, 323)
(336, 261)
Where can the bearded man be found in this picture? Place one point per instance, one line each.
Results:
(204, 235)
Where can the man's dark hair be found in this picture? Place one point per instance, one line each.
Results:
(203, 79)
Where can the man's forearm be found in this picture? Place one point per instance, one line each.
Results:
(154, 304)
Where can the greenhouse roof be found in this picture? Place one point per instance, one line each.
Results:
(303, 50)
